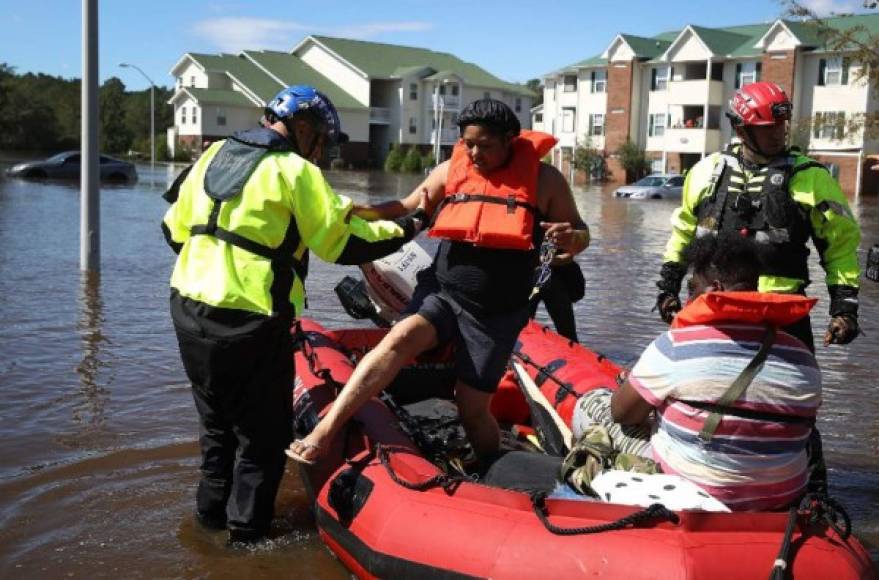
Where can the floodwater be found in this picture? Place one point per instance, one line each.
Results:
(99, 457)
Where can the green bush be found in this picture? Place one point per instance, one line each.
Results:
(428, 161)
(633, 160)
(590, 160)
(412, 161)
(394, 160)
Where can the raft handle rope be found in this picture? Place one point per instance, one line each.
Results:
(815, 507)
(542, 370)
(656, 511)
(449, 483)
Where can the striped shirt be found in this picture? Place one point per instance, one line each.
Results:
(750, 464)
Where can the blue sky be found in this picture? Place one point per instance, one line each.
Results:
(514, 40)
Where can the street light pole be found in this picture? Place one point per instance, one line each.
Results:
(152, 115)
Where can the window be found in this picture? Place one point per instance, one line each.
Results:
(538, 117)
(454, 90)
(413, 125)
(829, 125)
(195, 115)
(656, 124)
(518, 106)
(676, 181)
(747, 73)
(659, 78)
(833, 71)
(568, 115)
(570, 84)
(833, 168)
(192, 81)
(442, 89)
(599, 81)
(221, 118)
(182, 115)
(413, 91)
(596, 125)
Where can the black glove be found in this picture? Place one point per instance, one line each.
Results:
(843, 327)
(668, 305)
(670, 277)
(842, 330)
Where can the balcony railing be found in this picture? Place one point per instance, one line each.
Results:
(380, 115)
(689, 140)
(449, 102)
(695, 92)
(447, 136)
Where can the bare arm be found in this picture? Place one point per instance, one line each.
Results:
(556, 202)
(627, 407)
(434, 184)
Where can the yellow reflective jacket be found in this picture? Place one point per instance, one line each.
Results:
(281, 187)
(834, 231)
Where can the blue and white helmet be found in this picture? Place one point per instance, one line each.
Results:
(299, 98)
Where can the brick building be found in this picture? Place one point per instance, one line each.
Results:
(667, 94)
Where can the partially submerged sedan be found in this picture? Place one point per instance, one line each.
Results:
(655, 186)
(67, 165)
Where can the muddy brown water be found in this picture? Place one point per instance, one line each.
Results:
(99, 456)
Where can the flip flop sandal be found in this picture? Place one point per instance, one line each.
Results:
(296, 457)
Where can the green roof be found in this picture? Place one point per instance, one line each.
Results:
(719, 40)
(383, 61)
(219, 97)
(242, 70)
(646, 47)
(407, 71)
(292, 71)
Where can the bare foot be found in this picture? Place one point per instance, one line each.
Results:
(306, 451)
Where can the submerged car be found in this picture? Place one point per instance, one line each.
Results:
(653, 187)
(67, 165)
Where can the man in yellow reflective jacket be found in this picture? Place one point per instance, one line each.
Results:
(779, 198)
(243, 221)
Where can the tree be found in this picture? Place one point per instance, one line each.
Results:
(859, 43)
(412, 161)
(394, 160)
(537, 86)
(115, 135)
(633, 160)
(590, 160)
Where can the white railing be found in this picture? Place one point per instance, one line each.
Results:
(380, 115)
(448, 102)
(447, 136)
(691, 140)
(695, 92)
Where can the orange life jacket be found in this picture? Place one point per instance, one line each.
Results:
(497, 210)
(748, 307)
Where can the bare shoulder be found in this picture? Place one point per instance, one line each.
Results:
(550, 180)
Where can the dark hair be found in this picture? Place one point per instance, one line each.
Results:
(494, 115)
(733, 259)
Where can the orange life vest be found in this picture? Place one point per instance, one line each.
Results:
(748, 307)
(497, 210)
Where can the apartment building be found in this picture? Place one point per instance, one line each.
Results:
(385, 93)
(668, 94)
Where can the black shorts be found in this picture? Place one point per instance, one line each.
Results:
(483, 343)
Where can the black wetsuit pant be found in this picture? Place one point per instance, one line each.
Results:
(243, 389)
(557, 300)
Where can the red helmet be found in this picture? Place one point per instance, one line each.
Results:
(759, 104)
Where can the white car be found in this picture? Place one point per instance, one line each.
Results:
(654, 186)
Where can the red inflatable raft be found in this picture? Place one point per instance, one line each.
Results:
(389, 512)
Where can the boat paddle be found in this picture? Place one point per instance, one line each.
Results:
(555, 436)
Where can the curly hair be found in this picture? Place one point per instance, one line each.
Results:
(733, 259)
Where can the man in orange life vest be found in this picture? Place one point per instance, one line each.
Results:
(491, 203)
